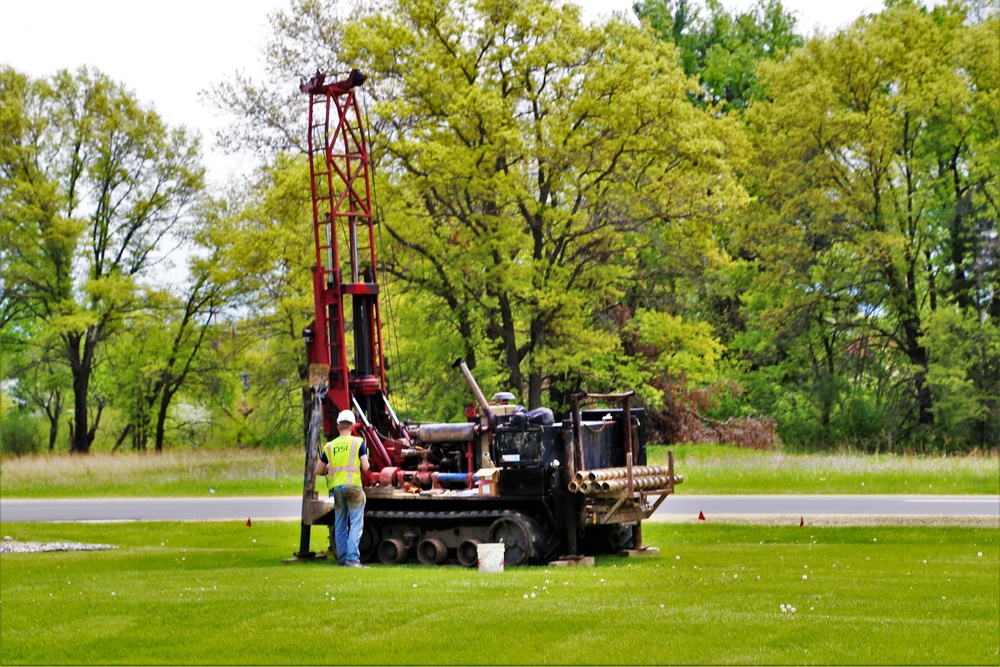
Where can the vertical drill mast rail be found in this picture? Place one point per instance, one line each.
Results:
(343, 226)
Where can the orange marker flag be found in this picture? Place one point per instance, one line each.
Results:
(701, 516)
(249, 524)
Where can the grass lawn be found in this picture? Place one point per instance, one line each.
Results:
(717, 469)
(179, 472)
(218, 593)
(707, 469)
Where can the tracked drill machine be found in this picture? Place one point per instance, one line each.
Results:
(543, 488)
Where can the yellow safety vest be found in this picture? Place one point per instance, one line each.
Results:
(345, 463)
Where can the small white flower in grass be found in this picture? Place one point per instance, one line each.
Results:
(874, 539)
(736, 576)
(532, 595)
(792, 609)
(414, 585)
(783, 609)
(661, 606)
(980, 554)
(525, 596)
(602, 581)
(805, 576)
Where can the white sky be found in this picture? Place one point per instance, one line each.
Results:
(169, 51)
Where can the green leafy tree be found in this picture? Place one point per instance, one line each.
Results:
(529, 168)
(264, 252)
(964, 376)
(94, 184)
(36, 249)
(41, 381)
(530, 160)
(165, 346)
(869, 161)
(722, 49)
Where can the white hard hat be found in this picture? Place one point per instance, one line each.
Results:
(346, 417)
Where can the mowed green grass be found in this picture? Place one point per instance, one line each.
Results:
(707, 469)
(717, 469)
(218, 593)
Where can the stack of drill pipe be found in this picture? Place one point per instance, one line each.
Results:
(601, 474)
(639, 483)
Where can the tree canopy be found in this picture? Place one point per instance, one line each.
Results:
(762, 233)
(93, 186)
(530, 160)
(876, 177)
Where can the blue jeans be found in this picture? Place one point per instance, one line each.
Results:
(349, 519)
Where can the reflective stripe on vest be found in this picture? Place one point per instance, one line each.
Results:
(344, 463)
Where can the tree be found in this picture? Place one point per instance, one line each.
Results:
(36, 248)
(41, 381)
(263, 251)
(530, 159)
(868, 166)
(723, 49)
(166, 343)
(96, 183)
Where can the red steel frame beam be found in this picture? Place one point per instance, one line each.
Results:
(340, 179)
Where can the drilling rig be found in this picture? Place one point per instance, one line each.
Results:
(544, 488)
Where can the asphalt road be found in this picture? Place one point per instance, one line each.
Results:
(676, 507)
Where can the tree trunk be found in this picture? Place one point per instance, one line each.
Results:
(534, 390)
(508, 339)
(536, 376)
(80, 348)
(81, 386)
(54, 410)
(161, 417)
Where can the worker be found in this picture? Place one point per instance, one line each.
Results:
(345, 460)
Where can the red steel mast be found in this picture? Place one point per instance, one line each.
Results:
(343, 226)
